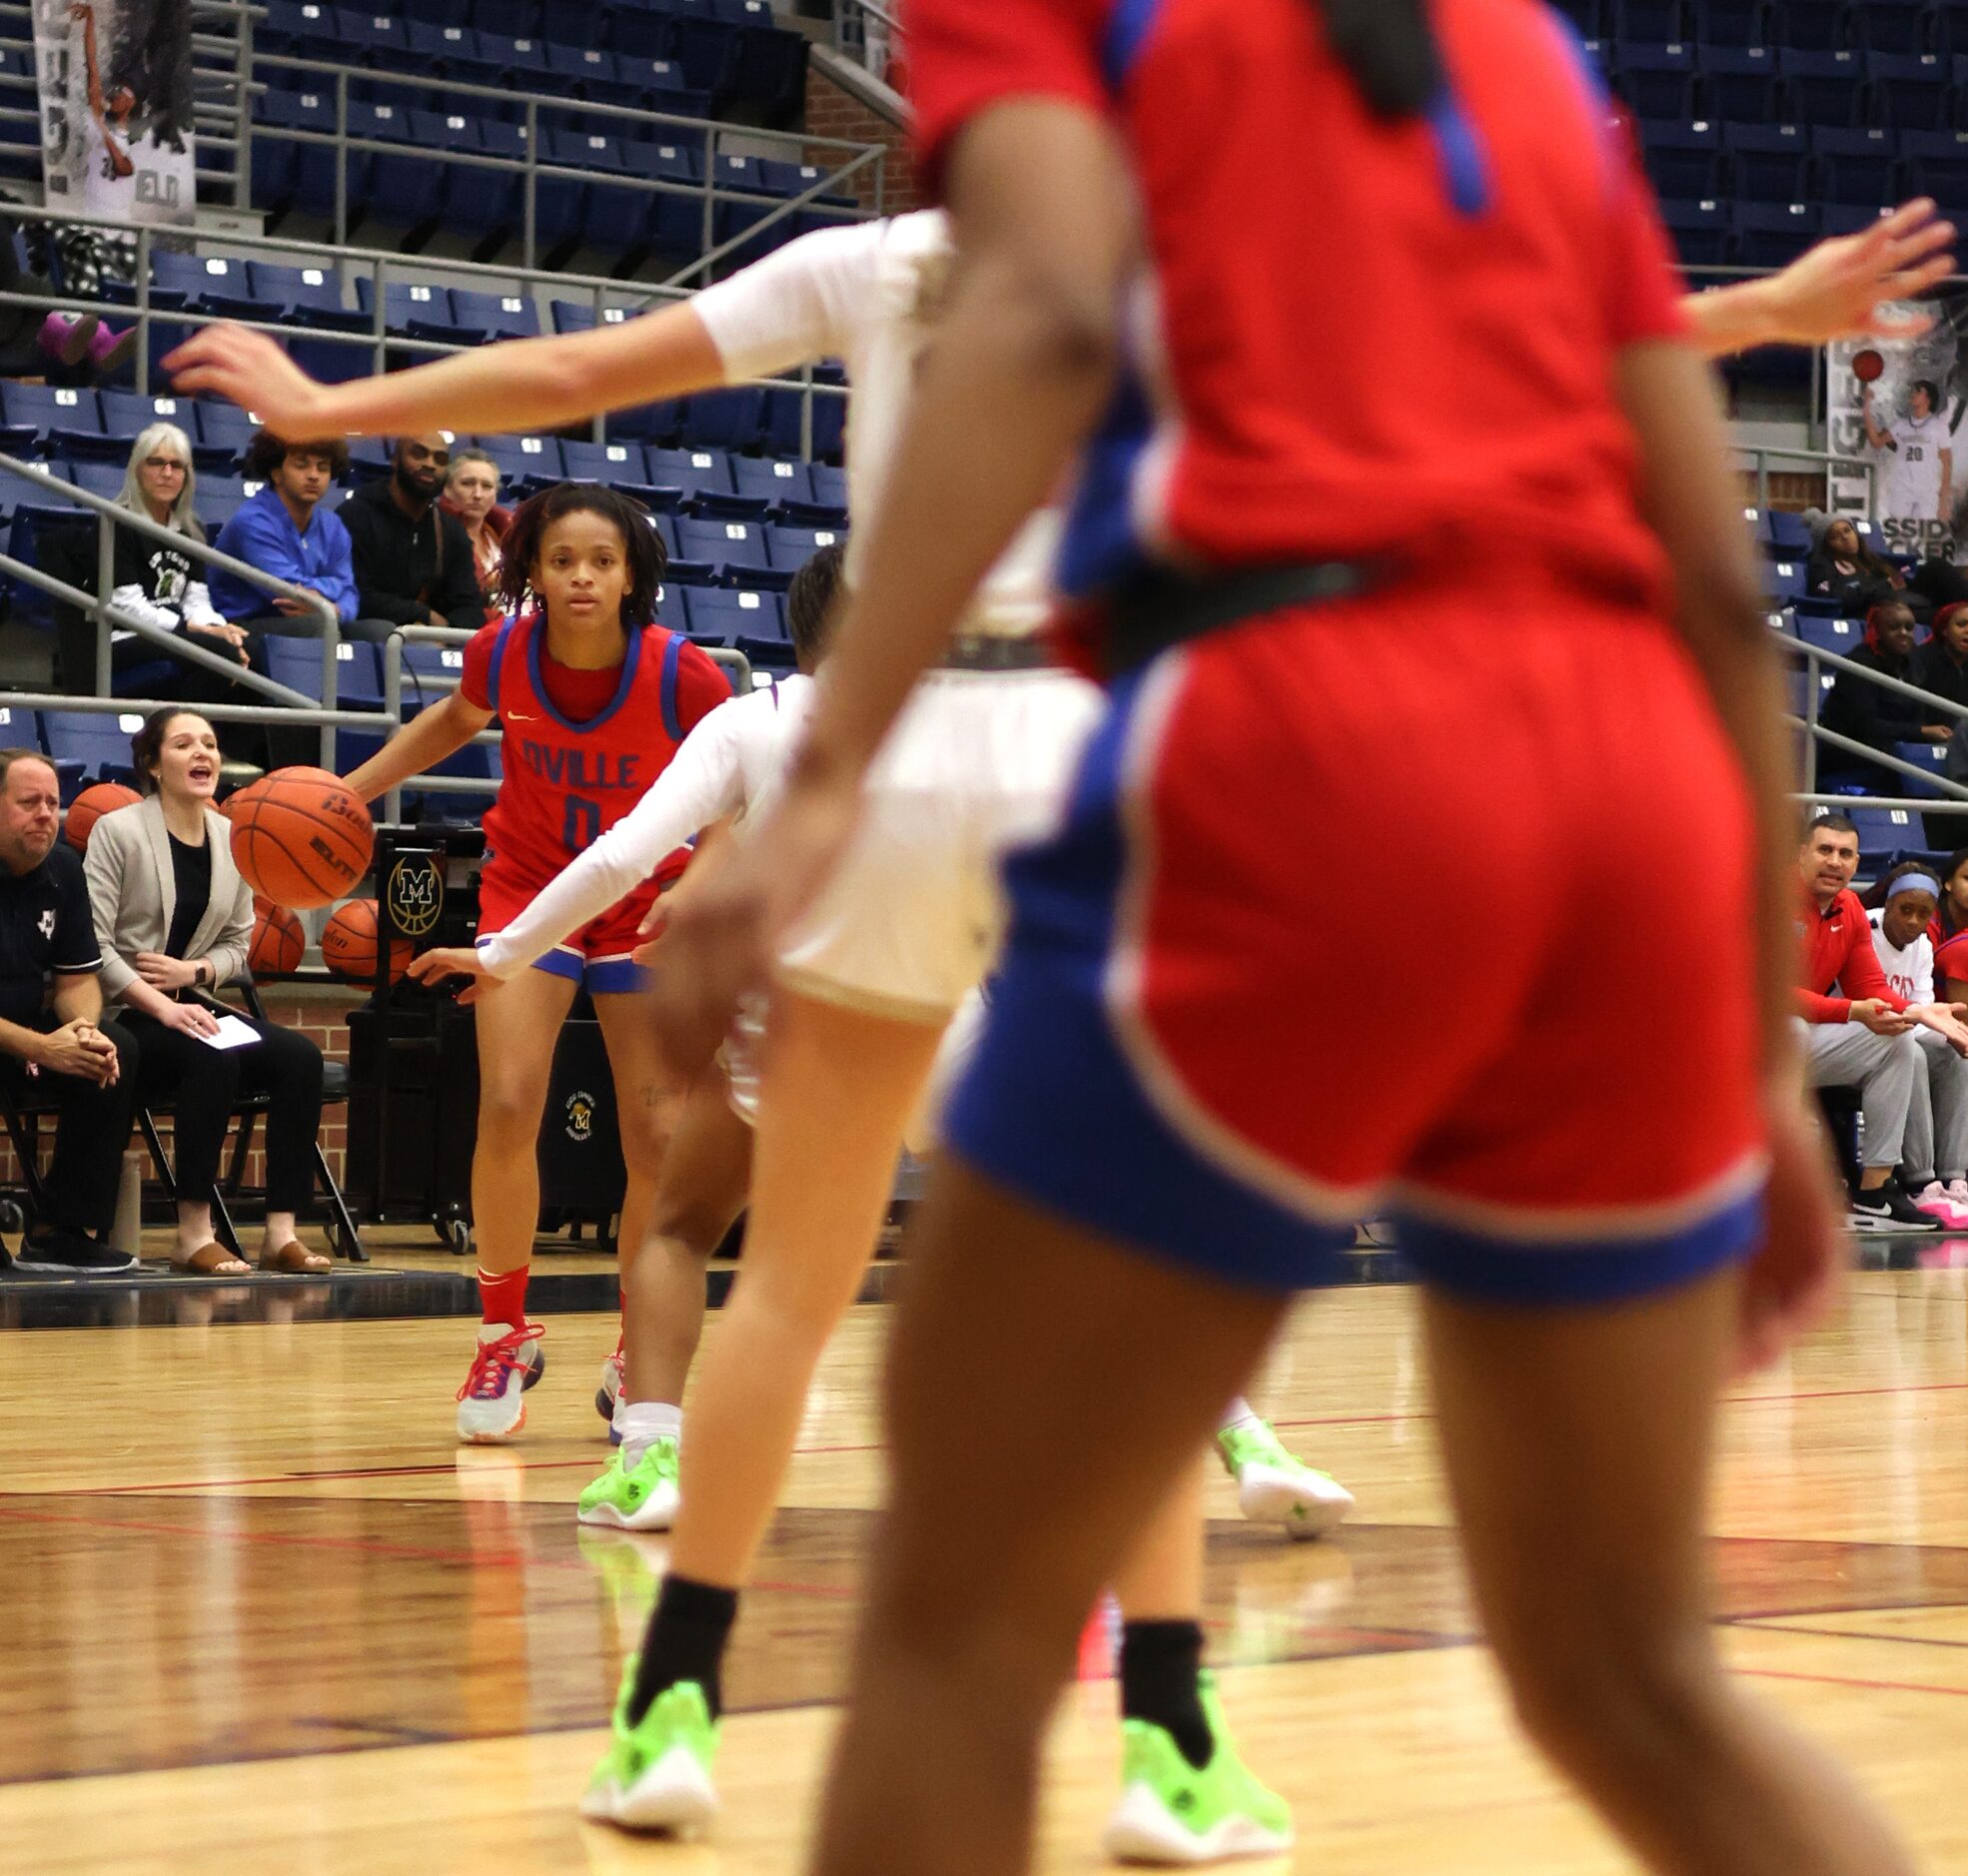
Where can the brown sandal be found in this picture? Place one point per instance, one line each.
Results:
(296, 1259)
(211, 1259)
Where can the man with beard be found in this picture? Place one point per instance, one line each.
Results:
(414, 564)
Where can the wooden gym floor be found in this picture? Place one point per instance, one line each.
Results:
(264, 1614)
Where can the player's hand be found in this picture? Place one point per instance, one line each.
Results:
(441, 961)
(250, 368)
(233, 636)
(718, 940)
(79, 1048)
(165, 973)
(1838, 289)
(1790, 1282)
(1942, 1020)
(192, 1019)
(1880, 1017)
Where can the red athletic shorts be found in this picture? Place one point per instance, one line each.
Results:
(1433, 902)
(597, 955)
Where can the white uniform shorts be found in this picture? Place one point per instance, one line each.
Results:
(979, 764)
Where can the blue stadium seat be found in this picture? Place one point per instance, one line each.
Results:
(125, 413)
(744, 616)
(1887, 25)
(723, 419)
(1784, 580)
(1790, 533)
(224, 430)
(730, 546)
(578, 315)
(1843, 635)
(830, 485)
(1773, 235)
(1856, 168)
(1936, 160)
(694, 472)
(404, 301)
(1884, 831)
(377, 38)
(1931, 756)
(1653, 22)
(435, 46)
(216, 498)
(1683, 159)
(579, 64)
(1949, 26)
(770, 482)
(525, 459)
(498, 316)
(519, 18)
(312, 289)
(672, 613)
(100, 743)
(439, 12)
(522, 54)
(1738, 84)
(1767, 161)
(617, 464)
(1823, 87)
(1911, 91)
(1656, 80)
(616, 216)
(1733, 22)
(783, 423)
(295, 662)
(35, 409)
(789, 548)
(1815, 25)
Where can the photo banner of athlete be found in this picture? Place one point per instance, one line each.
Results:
(1898, 409)
(116, 108)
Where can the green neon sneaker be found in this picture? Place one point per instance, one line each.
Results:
(656, 1775)
(1272, 1487)
(640, 1499)
(1171, 1814)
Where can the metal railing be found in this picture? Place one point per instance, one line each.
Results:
(1826, 459)
(1952, 797)
(858, 157)
(868, 34)
(377, 264)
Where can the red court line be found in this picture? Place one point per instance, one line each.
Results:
(1847, 1681)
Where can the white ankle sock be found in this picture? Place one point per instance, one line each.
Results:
(641, 1424)
(1239, 1412)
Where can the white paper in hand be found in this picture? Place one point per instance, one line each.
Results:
(233, 1034)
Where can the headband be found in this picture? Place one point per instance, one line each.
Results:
(1913, 882)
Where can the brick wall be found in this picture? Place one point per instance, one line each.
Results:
(832, 111)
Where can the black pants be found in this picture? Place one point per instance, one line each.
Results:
(92, 1127)
(204, 1086)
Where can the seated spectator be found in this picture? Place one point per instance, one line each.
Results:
(1941, 664)
(1844, 568)
(283, 531)
(54, 1042)
(176, 919)
(154, 582)
(472, 493)
(1949, 929)
(1934, 1157)
(1873, 714)
(1858, 1033)
(414, 560)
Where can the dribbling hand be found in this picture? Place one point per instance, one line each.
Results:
(453, 961)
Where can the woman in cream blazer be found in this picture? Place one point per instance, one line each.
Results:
(175, 918)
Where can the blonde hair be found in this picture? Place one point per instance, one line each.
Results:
(459, 458)
(159, 437)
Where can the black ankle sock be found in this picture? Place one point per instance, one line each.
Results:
(687, 1631)
(1161, 1681)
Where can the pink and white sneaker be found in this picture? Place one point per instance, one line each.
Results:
(610, 1393)
(1940, 1204)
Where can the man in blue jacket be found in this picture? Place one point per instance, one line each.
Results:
(283, 531)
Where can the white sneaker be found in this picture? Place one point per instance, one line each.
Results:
(492, 1405)
(607, 1397)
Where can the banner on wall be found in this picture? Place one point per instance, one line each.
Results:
(1906, 425)
(116, 108)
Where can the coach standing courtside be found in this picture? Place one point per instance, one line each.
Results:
(54, 1044)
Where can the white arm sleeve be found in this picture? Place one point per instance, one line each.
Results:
(796, 305)
(702, 783)
(134, 601)
(1923, 971)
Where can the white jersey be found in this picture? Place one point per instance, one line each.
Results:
(870, 295)
(726, 765)
(1910, 472)
(1909, 969)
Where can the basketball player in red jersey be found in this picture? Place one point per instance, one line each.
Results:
(592, 700)
(1302, 602)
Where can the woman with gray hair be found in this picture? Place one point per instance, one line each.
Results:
(150, 580)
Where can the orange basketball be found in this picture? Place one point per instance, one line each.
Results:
(348, 944)
(278, 940)
(90, 806)
(300, 837)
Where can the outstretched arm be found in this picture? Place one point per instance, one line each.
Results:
(517, 384)
(1835, 290)
(81, 10)
(425, 740)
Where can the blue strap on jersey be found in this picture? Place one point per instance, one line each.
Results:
(672, 655)
(499, 659)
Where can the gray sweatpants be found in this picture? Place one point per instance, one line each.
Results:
(1937, 1118)
(1883, 1068)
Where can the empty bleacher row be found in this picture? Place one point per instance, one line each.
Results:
(1766, 126)
(691, 58)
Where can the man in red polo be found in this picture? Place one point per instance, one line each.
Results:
(1857, 1032)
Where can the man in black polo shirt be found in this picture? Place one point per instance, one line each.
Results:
(57, 1046)
(414, 562)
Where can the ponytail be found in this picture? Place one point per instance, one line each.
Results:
(1388, 49)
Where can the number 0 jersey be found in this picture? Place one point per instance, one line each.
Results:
(566, 782)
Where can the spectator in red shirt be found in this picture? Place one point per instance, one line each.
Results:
(1858, 1033)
